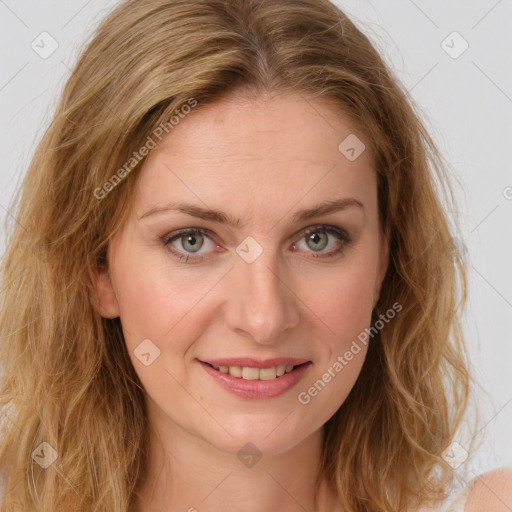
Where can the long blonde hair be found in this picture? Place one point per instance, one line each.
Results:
(67, 378)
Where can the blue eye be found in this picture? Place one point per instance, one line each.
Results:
(316, 238)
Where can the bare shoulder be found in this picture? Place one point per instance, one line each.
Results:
(492, 492)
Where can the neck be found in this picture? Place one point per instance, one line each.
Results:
(186, 473)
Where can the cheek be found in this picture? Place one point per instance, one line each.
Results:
(342, 311)
(346, 309)
(148, 306)
(345, 301)
(169, 306)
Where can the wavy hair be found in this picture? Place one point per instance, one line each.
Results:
(67, 378)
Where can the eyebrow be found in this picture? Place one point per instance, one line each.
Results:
(317, 210)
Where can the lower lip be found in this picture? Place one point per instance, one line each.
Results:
(257, 389)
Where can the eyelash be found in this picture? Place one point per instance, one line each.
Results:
(342, 235)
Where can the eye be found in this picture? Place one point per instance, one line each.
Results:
(189, 240)
(316, 238)
(186, 243)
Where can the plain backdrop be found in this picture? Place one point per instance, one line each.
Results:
(453, 57)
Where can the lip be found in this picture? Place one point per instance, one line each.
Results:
(256, 363)
(257, 389)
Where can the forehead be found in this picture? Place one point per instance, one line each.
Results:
(292, 125)
(256, 152)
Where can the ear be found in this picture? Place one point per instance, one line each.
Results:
(103, 295)
(385, 240)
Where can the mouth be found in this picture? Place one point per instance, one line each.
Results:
(254, 383)
(251, 373)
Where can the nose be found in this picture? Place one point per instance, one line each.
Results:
(262, 305)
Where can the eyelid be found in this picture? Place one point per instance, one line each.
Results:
(176, 235)
(342, 235)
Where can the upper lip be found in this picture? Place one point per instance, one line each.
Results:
(252, 362)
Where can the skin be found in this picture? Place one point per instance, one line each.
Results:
(493, 492)
(260, 160)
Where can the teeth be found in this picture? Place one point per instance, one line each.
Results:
(268, 373)
(248, 373)
(235, 371)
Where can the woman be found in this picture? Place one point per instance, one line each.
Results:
(231, 282)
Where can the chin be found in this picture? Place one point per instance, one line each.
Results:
(267, 437)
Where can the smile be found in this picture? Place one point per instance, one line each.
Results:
(257, 383)
(248, 373)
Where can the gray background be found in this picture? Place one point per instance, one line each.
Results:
(465, 100)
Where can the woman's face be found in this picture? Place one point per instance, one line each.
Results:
(258, 275)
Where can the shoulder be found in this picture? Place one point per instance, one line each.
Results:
(491, 492)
